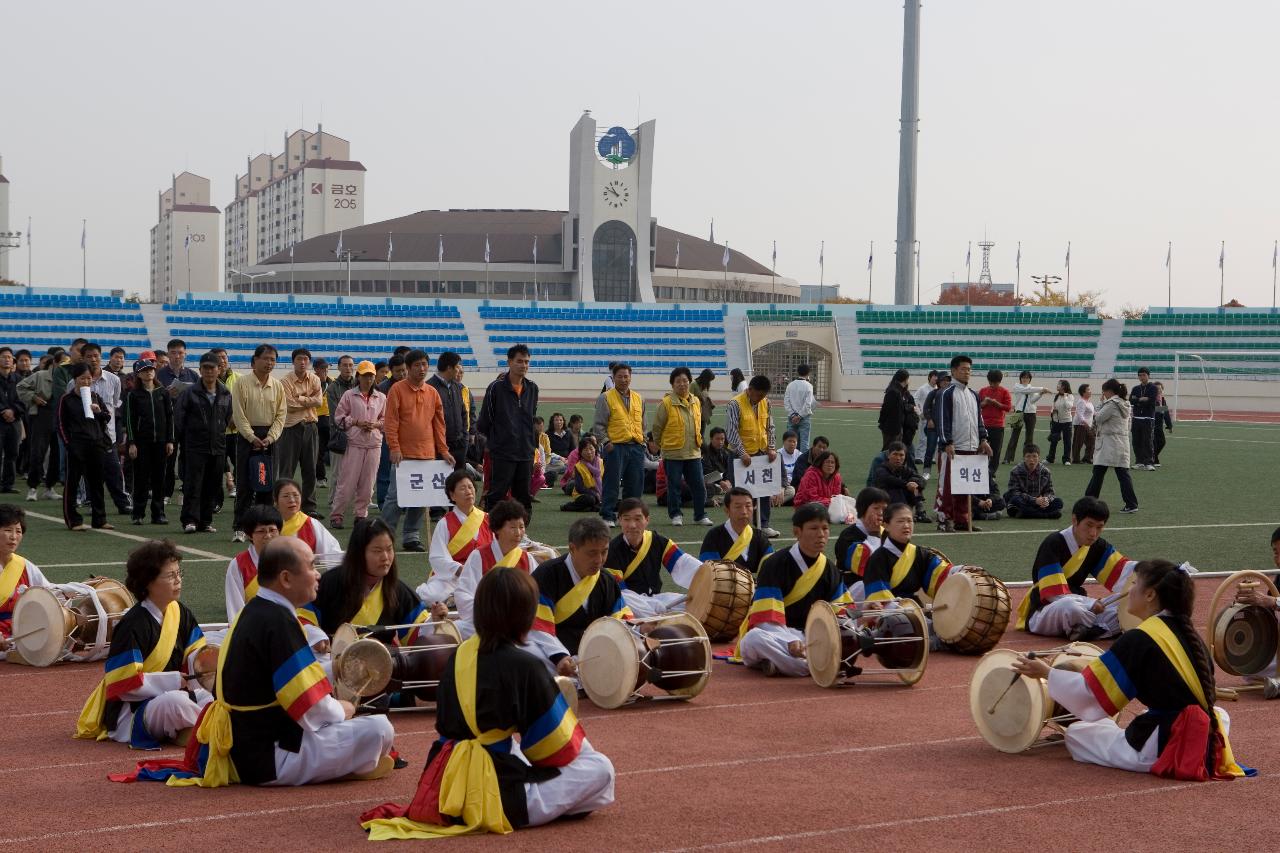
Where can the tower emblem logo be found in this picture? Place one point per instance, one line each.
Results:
(617, 146)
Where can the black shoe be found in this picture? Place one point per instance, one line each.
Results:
(318, 516)
(1087, 635)
(1129, 509)
(416, 547)
(159, 519)
(137, 521)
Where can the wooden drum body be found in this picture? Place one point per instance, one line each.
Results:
(1243, 638)
(617, 658)
(1012, 713)
(971, 611)
(896, 637)
(365, 669)
(72, 621)
(720, 597)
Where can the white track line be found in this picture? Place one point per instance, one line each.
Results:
(40, 714)
(122, 759)
(130, 536)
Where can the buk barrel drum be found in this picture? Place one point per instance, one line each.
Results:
(720, 597)
(617, 658)
(971, 611)
(1243, 638)
(896, 637)
(1011, 710)
(73, 621)
(366, 669)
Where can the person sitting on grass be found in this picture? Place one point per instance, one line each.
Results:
(476, 778)
(822, 484)
(1030, 492)
(987, 507)
(902, 484)
(287, 496)
(716, 461)
(17, 573)
(585, 488)
(637, 557)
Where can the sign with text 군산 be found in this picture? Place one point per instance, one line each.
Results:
(969, 475)
(762, 478)
(420, 482)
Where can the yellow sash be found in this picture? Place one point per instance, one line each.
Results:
(9, 577)
(90, 724)
(645, 541)
(293, 525)
(469, 787)
(371, 609)
(740, 545)
(1072, 566)
(470, 527)
(511, 559)
(902, 567)
(588, 479)
(806, 581)
(576, 597)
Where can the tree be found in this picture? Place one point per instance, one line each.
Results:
(844, 300)
(1234, 303)
(977, 295)
(1058, 299)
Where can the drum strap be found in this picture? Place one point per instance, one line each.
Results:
(90, 723)
(576, 597)
(10, 577)
(805, 583)
(741, 544)
(466, 531)
(370, 609)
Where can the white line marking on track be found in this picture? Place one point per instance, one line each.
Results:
(40, 714)
(130, 536)
(122, 759)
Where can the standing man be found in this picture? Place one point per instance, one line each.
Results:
(994, 401)
(174, 371)
(447, 385)
(148, 423)
(749, 432)
(11, 412)
(323, 420)
(619, 425)
(258, 411)
(339, 385)
(506, 422)
(1142, 401)
(960, 431)
(41, 401)
(107, 386)
(414, 429)
(201, 416)
(800, 402)
(228, 378)
(300, 439)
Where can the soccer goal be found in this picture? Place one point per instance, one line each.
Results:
(1195, 401)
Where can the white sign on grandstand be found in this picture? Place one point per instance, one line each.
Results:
(420, 482)
(762, 478)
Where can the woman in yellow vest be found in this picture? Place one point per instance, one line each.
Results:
(619, 426)
(678, 427)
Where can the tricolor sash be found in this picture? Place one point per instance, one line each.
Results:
(90, 724)
(806, 581)
(646, 541)
(1055, 580)
(741, 544)
(576, 597)
(516, 558)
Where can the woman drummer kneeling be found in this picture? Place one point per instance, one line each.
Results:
(1164, 664)
(490, 691)
(145, 697)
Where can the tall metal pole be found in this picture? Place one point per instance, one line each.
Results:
(968, 274)
(1275, 250)
(1168, 262)
(917, 273)
(29, 284)
(1222, 274)
(909, 128)
(871, 259)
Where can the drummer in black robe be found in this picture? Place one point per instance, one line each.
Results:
(145, 697)
(365, 588)
(900, 569)
(574, 592)
(860, 540)
(772, 636)
(490, 691)
(737, 540)
(637, 557)
(1163, 664)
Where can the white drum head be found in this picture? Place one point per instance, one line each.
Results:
(343, 638)
(1015, 723)
(38, 622)
(953, 606)
(608, 662)
(822, 644)
(698, 603)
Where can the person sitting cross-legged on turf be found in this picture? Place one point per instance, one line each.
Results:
(463, 530)
(790, 582)
(901, 569)
(287, 495)
(476, 778)
(637, 557)
(1057, 604)
(737, 540)
(1030, 492)
(145, 697)
(507, 522)
(17, 573)
(860, 540)
(987, 507)
(584, 483)
(1163, 664)
(902, 483)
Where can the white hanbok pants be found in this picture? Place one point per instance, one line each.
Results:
(584, 785)
(1102, 742)
(352, 746)
(769, 643)
(648, 606)
(164, 715)
(1068, 612)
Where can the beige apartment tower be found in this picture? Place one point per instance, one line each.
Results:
(184, 242)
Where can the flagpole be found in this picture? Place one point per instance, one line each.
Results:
(1017, 285)
(188, 249)
(968, 275)
(1068, 300)
(917, 273)
(1222, 274)
(439, 261)
(1275, 249)
(773, 274)
(822, 263)
(84, 255)
(291, 286)
(487, 286)
(29, 254)
(871, 260)
(535, 267)
(1168, 263)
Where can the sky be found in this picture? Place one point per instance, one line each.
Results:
(1118, 126)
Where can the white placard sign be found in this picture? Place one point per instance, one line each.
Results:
(969, 475)
(420, 482)
(762, 478)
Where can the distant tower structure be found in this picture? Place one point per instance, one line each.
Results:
(984, 277)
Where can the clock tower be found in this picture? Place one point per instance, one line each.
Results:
(609, 232)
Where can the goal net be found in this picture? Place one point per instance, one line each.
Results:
(1203, 381)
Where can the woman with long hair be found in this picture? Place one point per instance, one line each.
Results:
(365, 588)
(737, 380)
(1060, 422)
(1163, 664)
(1111, 432)
(897, 410)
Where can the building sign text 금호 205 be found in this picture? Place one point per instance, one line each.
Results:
(344, 195)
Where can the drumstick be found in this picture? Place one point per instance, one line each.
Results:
(30, 633)
(1012, 681)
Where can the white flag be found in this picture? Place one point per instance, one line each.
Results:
(871, 257)
(535, 248)
(1222, 255)
(291, 245)
(1067, 262)
(967, 254)
(486, 248)
(1018, 262)
(677, 254)
(440, 250)
(186, 243)
(84, 232)
(389, 247)
(1168, 256)
(338, 251)
(724, 259)
(631, 253)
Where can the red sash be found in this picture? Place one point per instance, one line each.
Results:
(482, 540)
(248, 568)
(307, 533)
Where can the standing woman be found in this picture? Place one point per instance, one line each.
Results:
(84, 435)
(737, 380)
(1082, 427)
(365, 588)
(360, 414)
(701, 389)
(677, 425)
(1060, 422)
(1111, 423)
(1025, 396)
(893, 411)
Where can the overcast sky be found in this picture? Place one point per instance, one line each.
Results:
(1116, 125)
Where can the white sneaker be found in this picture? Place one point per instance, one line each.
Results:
(927, 476)
(771, 533)
(31, 494)
(609, 522)
(706, 521)
(238, 536)
(50, 495)
(1068, 464)
(678, 521)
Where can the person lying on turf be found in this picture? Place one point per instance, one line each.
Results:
(477, 779)
(771, 638)
(1057, 604)
(737, 540)
(637, 557)
(860, 540)
(507, 522)
(1163, 664)
(1258, 596)
(17, 573)
(145, 698)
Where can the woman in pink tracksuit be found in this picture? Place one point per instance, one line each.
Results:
(360, 414)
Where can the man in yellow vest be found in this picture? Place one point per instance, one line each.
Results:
(619, 425)
(749, 432)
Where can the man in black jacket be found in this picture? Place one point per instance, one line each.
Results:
(506, 421)
(11, 412)
(1142, 401)
(455, 416)
(201, 417)
(148, 423)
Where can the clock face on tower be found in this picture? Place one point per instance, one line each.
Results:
(616, 194)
